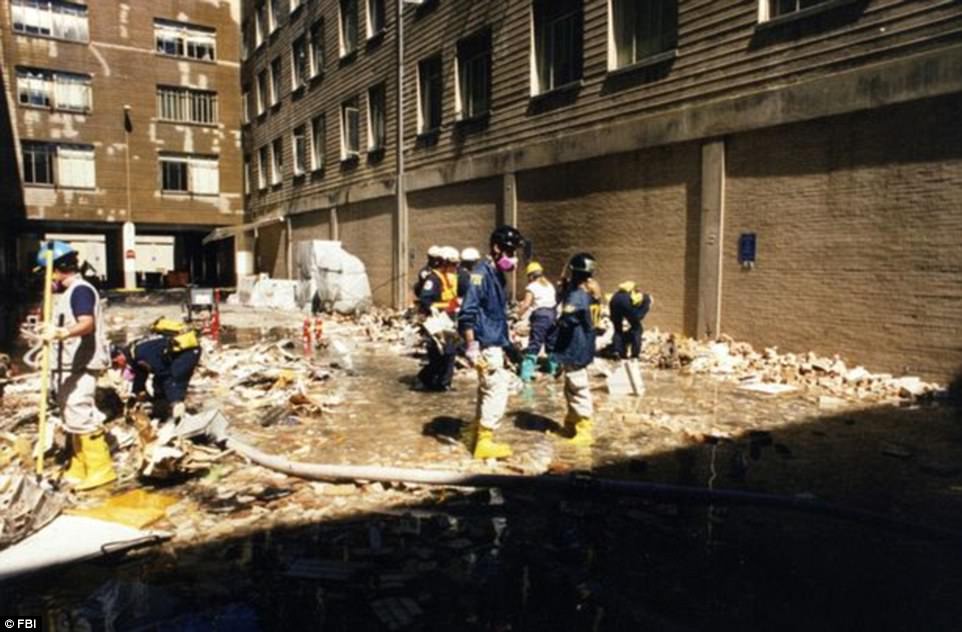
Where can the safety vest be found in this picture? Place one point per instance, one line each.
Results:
(636, 296)
(182, 337)
(449, 291)
(84, 353)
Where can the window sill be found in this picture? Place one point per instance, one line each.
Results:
(346, 58)
(375, 38)
(802, 14)
(295, 10)
(473, 119)
(52, 37)
(316, 77)
(40, 185)
(50, 108)
(571, 86)
(375, 154)
(188, 194)
(430, 134)
(212, 62)
(350, 160)
(190, 123)
(647, 62)
(57, 187)
(298, 90)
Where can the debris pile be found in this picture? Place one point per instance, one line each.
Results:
(740, 361)
(25, 506)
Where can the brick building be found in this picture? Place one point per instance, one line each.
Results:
(673, 139)
(117, 112)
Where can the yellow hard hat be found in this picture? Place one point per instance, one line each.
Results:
(534, 268)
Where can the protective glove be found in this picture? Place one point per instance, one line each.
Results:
(473, 352)
(178, 411)
(49, 333)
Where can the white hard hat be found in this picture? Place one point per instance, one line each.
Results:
(450, 254)
(470, 254)
(435, 252)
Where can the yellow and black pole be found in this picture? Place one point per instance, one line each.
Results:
(45, 359)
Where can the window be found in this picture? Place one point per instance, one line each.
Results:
(769, 9)
(184, 40)
(299, 63)
(296, 4)
(276, 13)
(348, 26)
(38, 162)
(262, 168)
(246, 106)
(69, 166)
(54, 89)
(474, 76)
(430, 94)
(557, 40)
(350, 132)
(248, 174)
(640, 30)
(260, 24)
(277, 160)
(375, 118)
(187, 173)
(185, 105)
(51, 18)
(317, 48)
(299, 147)
(375, 17)
(318, 132)
(275, 81)
(262, 92)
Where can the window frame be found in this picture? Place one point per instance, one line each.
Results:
(371, 32)
(263, 160)
(53, 156)
(183, 31)
(318, 131)
(31, 147)
(276, 80)
(767, 18)
(423, 103)
(189, 102)
(302, 168)
(50, 80)
(263, 86)
(343, 50)
(73, 9)
(669, 34)
(300, 75)
(482, 38)
(349, 153)
(376, 95)
(317, 55)
(277, 161)
(546, 51)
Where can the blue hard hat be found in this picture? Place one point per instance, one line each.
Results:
(60, 249)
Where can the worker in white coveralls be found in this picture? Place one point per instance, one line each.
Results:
(80, 354)
(483, 321)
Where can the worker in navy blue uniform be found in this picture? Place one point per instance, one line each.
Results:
(434, 260)
(439, 293)
(631, 306)
(483, 321)
(574, 346)
(171, 368)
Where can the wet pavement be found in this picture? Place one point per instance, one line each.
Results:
(259, 550)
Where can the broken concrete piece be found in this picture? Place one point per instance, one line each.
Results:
(827, 402)
(767, 388)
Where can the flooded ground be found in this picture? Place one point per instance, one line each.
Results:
(257, 550)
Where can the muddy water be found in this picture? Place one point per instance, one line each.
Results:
(577, 561)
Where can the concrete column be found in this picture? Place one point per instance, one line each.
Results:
(332, 226)
(290, 247)
(243, 254)
(509, 215)
(711, 245)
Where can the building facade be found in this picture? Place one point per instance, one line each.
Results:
(122, 112)
(786, 172)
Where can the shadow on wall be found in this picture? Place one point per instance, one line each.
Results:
(582, 558)
(11, 190)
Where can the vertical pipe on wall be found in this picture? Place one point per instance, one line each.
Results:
(401, 222)
(509, 215)
(290, 248)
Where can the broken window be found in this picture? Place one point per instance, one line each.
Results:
(55, 89)
(317, 48)
(318, 132)
(376, 132)
(375, 17)
(186, 105)
(474, 76)
(50, 18)
(33, 87)
(185, 173)
(350, 132)
(277, 160)
(641, 29)
(557, 44)
(348, 26)
(299, 145)
(275, 81)
(38, 162)
(180, 39)
(430, 94)
(299, 63)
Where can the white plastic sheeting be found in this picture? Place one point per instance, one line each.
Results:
(274, 293)
(331, 277)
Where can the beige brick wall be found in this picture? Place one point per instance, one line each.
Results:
(636, 213)
(272, 250)
(460, 216)
(314, 225)
(366, 230)
(859, 237)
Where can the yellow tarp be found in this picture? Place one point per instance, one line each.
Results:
(136, 508)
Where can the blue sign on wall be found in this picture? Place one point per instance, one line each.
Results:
(746, 248)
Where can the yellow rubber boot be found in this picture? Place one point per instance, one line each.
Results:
(96, 456)
(76, 471)
(583, 436)
(486, 448)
